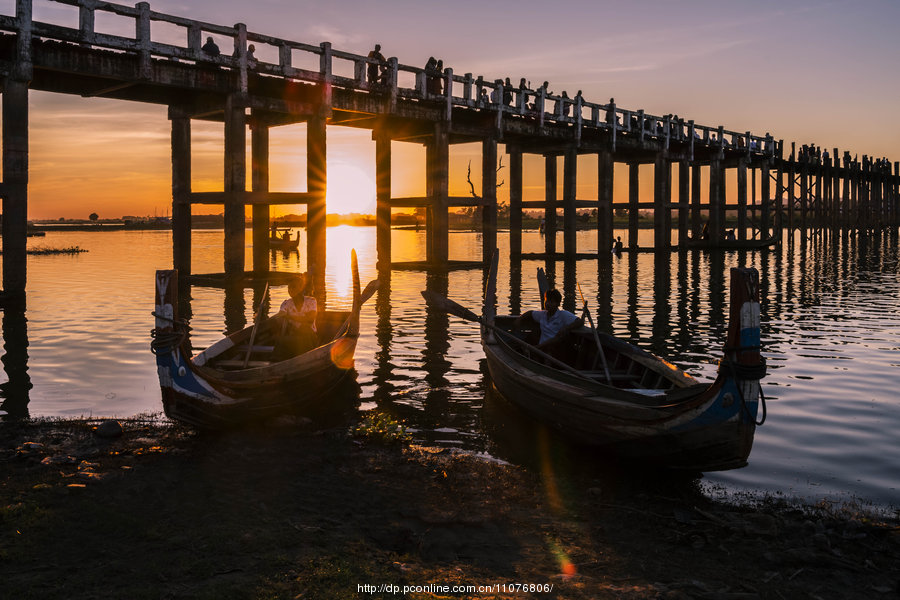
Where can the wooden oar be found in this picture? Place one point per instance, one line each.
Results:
(543, 284)
(586, 311)
(458, 310)
(255, 325)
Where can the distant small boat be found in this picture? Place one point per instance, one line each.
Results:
(638, 405)
(284, 243)
(35, 233)
(730, 244)
(234, 381)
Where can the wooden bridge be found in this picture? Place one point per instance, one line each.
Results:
(322, 86)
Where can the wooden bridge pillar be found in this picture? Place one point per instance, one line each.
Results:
(259, 182)
(489, 196)
(662, 198)
(634, 170)
(181, 192)
(605, 175)
(439, 185)
(316, 184)
(235, 185)
(742, 199)
(765, 200)
(717, 199)
(696, 200)
(515, 200)
(570, 215)
(15, 186)
(684, 199)
(550, 206)
(383, 196)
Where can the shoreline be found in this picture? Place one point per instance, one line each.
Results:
(294, 510)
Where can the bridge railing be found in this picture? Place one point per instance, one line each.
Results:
(324, 65)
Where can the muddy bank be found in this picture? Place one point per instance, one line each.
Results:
(289, 511)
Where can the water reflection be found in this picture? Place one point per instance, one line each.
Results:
(14, 390)
(831, 317)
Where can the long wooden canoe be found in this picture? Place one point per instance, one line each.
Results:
(730, 244)
(646, 408)
(279, 243)
(233, 382)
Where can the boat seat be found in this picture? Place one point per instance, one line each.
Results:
(646, 392)
(256, 348)
(239, 364)
(613, 376)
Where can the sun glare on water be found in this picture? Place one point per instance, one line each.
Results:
(350, 190)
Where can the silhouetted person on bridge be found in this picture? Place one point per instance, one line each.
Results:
(210, 47)
(378, 62)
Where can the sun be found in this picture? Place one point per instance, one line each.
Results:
(350, 190)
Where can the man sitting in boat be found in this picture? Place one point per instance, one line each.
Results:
(555, 323)
(298, 314)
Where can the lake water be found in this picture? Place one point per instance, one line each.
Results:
(830, 312)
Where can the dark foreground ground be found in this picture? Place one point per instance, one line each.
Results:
(290, 512)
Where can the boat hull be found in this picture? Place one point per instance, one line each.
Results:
(710, 429)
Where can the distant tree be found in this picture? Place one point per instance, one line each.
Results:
(93, 216)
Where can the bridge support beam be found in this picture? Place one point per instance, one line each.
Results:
(259, 182)
(605, 180)
(684, 200)
(696, 200)
(550, 206)
(634, 198)
(438, 158)
(235, 185)
(717, 199)
(515, 200)
(489, 195)
(382, 197)
(742, 199)
(15, 188)
(662, 198)
(765, 200)
(570, 214)
(181, 192)
(316, 184)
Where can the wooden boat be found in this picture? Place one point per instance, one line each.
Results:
(234, 381)
(730, 244)
(611, 394)
(277, 242)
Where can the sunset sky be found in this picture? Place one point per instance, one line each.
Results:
(806, 71)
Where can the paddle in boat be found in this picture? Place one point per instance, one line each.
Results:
(235, 380)
(604, 392)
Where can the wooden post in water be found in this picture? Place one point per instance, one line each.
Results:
(439, 174)
(742, 198)
(605, 175)
(550, 207)
(382, 196)
(15, 186)
(633, 203)
(235, 185)
(489, 197)
(316, 185)
(515, 200)
(696, 200)
(716, 198)
(764, 199)
(684, 200)
(181, 192)
(662, 214)
(259, 182)
(570, 215)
